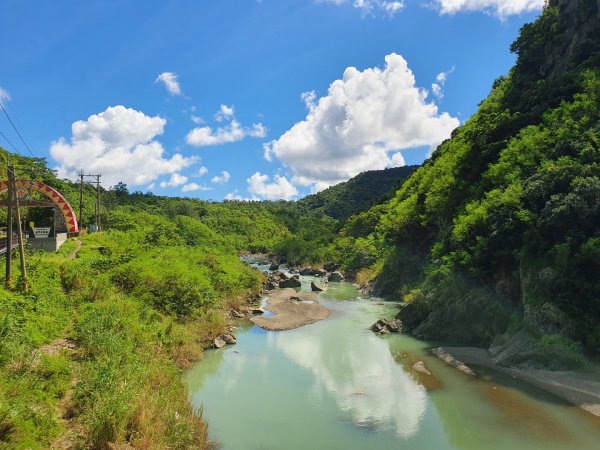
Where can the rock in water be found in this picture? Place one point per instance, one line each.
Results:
(317, 287)
(229, 339)
(383, 326)
(419, 366)
(306, 271)
(274, 266)
(320, 273)
(291, 283)
(219, 342)
(336, 277)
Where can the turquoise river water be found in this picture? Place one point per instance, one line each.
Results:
(336, 385)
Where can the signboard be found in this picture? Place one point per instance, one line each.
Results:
(41, 232)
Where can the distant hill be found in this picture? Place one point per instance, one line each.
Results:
(357, 194)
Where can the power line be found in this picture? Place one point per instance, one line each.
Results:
(16, 130)
(9, 142)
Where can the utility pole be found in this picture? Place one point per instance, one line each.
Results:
(83, 175)
(81, 200)
(98, 202)
(13, 189)
(9, 229)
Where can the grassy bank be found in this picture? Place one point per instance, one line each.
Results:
(91, 356)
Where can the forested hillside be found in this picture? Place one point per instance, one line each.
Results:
(500, 228)
(357, 194)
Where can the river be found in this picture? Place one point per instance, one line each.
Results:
(336, 385)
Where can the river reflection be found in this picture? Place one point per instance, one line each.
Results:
(359, 373)
(335, 385)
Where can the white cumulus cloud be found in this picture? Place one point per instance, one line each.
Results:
(440, 80)
(119, 144)
(231, 132)
(370, 7)
(223, 178)
(225, 113)
(202, 171)
(169, 79)
(499, 8)
(364, 117)
(195, 187)
(175, 180)
(235, 196)
(280, 188)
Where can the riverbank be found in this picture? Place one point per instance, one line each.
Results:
(291, 310)
(577, 387)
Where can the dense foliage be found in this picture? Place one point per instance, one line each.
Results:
(502, 224)
(355, 195)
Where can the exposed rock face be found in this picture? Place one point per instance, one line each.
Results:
(291, 283)
(384, 326)
(578, 29)
(412, 315)
(336, 277)
(317, 287)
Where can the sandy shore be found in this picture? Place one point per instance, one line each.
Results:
(290, 312)
(580, 388)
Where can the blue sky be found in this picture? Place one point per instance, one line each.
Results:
(244, 98)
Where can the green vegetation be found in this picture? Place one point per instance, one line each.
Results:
(355, 195)
(90, 356)
(498, 230)
(504, 220)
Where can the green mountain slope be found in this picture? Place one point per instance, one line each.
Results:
(355, 195)
(501, 227)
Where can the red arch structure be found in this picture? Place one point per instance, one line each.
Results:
(55, 196)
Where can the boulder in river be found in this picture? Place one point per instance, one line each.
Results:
(291, 283)
(317, 287)
(306, 271)
(384, 326)
(320, 273)
(257, 311)
(219, 342)
(269, 286)
(274, 266)
(420, 366)
(336, 277)
(229, 339)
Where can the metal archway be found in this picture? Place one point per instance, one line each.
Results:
(52, 194)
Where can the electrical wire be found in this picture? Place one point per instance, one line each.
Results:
(16, 130)
(9, 142)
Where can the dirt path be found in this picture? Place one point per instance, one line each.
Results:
(74, 254)
(577, 387)
(292, 310)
